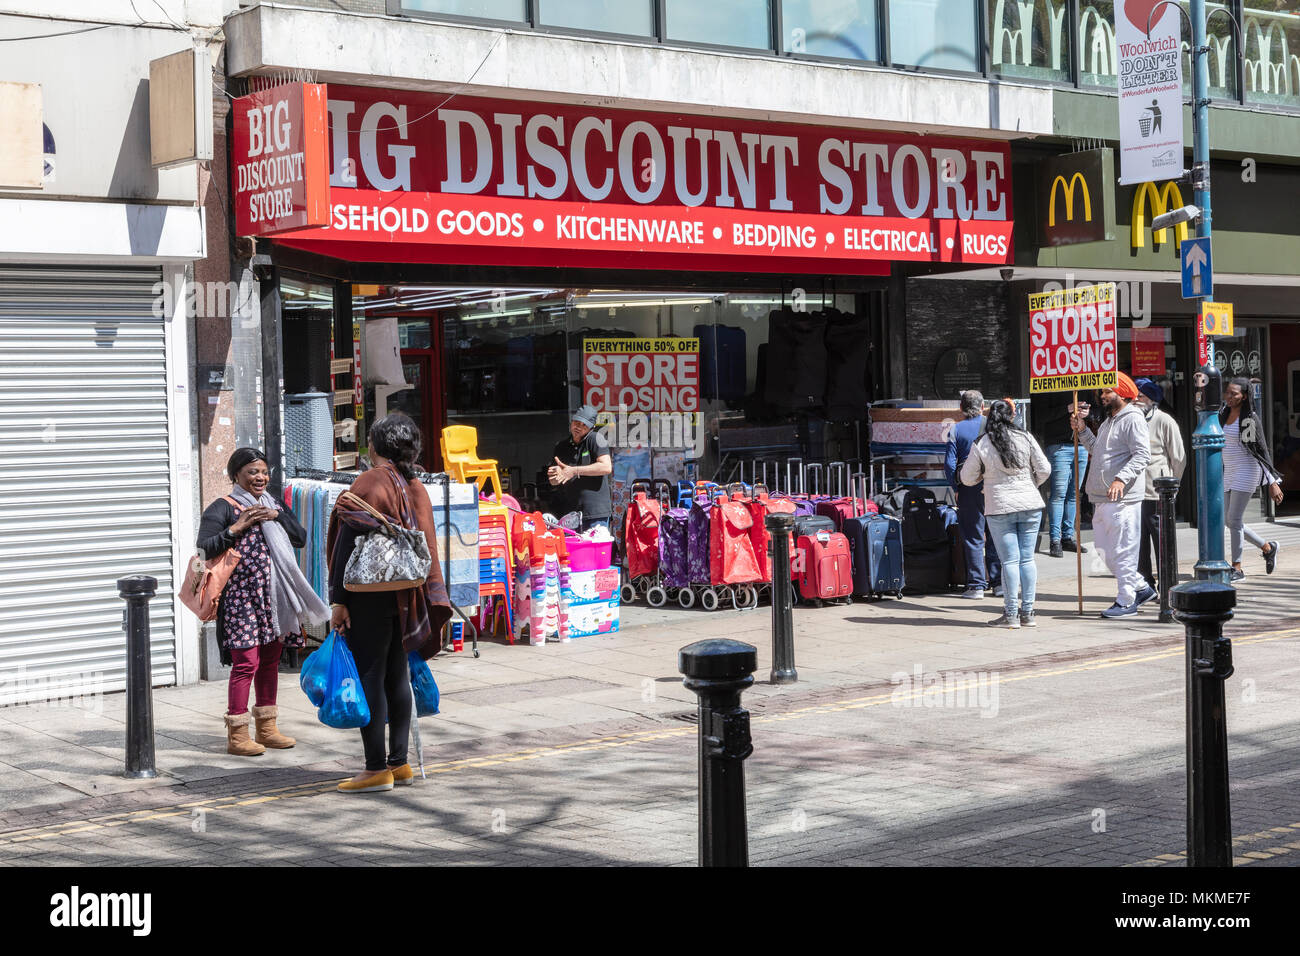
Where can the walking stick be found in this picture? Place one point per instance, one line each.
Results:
(1078, 512)
(415, 733)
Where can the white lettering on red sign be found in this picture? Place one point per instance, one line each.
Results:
(637, 378)
(1071, 333)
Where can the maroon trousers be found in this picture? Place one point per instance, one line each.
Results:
(256, 666)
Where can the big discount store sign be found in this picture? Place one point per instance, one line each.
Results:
(416, 178)
(1072, 339)
(641, 375)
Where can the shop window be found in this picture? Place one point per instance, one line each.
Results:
(414, 334)
(514, 10)
(1030, 39)
(691, 381)
(630, 17)
(1223, 51)
(934, 34)
(740, 23)
(1098, 57)
(846, 29)
(1271, 31)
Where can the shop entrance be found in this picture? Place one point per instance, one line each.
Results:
(681, 377)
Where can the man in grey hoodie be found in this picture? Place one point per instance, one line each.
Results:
(1119, 453)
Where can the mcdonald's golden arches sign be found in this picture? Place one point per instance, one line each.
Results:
(1076, 198)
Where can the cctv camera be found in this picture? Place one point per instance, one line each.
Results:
(1175, 217)
(1006, 274)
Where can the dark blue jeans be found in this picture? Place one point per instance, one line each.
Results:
(983, 569)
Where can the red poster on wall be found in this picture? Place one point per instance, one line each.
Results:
(280, 160)
(1148, 352)
(417, 178)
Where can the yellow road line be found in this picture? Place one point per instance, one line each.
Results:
(619, 740)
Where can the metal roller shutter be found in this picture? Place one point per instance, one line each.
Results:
(85, 482)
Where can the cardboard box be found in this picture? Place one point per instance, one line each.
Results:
(594, 585)
(587, 618)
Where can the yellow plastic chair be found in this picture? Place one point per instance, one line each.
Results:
(460, 459)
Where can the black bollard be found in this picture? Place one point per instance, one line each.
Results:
(718, 671)
(137, 591)
(1167, 546)
(1203, 607)
(779, 527)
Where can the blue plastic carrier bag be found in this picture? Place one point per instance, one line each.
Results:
(425, 687)
(345, 704)
(315, 671)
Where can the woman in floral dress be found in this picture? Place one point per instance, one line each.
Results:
(264, 604)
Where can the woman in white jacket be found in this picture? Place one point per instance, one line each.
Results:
(1012, 466)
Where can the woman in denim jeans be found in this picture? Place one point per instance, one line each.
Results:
(1012, 466)
(1059, 440)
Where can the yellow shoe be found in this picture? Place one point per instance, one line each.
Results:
(403, 776)
(368, 782)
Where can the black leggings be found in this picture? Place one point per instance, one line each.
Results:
(376, 644)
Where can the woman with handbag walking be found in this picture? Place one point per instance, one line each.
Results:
(1247, 466)
(265, 602)
(382, 613)
(1012, 466)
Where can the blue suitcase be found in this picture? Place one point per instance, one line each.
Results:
(876, 546)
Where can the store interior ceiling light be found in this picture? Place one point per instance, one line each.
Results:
(584, 303)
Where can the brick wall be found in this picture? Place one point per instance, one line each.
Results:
(943, 314)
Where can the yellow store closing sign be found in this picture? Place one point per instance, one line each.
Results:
(1216, 318)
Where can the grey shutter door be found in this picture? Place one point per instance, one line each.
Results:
(85, 481)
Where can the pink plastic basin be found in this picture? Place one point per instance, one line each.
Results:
(590, 555)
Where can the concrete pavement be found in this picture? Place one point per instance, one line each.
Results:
(614, 708)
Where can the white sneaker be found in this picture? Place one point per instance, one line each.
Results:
(974, 594)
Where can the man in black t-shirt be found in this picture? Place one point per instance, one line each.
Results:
(580, 475)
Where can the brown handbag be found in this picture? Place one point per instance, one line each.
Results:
(206, 579)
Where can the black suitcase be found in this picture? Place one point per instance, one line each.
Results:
(811, 524)
(927, 550)
(924, 523)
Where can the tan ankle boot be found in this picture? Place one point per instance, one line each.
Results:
(237, 741)
(267, 732)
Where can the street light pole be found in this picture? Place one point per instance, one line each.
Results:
(1201, 135)
(1207, 439)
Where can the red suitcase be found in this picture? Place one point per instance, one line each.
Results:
(827, 567)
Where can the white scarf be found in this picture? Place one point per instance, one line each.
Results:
(293, 602)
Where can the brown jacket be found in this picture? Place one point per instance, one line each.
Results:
(424, 610)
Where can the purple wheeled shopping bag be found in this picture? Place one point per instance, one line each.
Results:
(674, 546)
(697, 547)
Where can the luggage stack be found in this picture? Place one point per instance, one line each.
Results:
(927, 543)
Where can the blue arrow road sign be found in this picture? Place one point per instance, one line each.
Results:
(1198, 268)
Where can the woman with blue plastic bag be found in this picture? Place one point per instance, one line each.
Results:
(381, 627)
